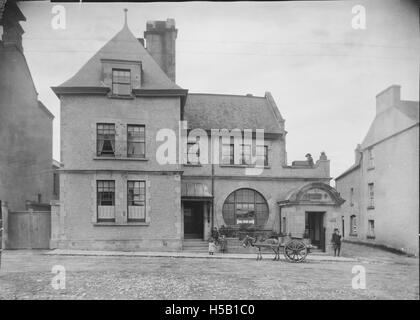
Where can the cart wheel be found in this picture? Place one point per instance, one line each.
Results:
(295, 251)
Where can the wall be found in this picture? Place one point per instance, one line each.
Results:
(271, 190)
(343, 186)
(396, 187)
(80, 114)
(25, 135)
(75, 225)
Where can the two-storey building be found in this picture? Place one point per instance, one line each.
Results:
(131, 179)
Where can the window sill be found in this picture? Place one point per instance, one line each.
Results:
(124, 97)
(114, 224)
(370, 237)
(192, 165)
(242, 166)
(371, 207)
(371, 168)
(121, 158)
(353, 234)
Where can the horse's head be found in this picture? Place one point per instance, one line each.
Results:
(246, 242)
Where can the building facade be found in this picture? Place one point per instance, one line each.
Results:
(135, 173)
(26, 165)
(382, 186)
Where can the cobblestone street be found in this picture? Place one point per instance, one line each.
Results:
(27, 275)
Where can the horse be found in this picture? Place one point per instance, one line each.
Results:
(272, 243)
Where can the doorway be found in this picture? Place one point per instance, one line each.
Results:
(193, 220)
(314, 222)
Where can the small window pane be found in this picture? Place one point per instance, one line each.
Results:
(121, 82)
(106, 200)
(105, 137)
(136, 200)
(136, 141)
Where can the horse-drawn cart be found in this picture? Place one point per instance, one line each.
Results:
(294, 249)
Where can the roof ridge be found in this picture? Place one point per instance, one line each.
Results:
(225, 95)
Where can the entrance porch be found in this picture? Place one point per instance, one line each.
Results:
(196, 203)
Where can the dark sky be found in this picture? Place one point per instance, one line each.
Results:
(322, 73)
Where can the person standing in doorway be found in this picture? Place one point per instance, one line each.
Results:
(336, 242)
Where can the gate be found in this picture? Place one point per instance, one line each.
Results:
(29, 230)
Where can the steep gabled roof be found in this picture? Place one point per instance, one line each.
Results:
(123, 46)
(220, 111)
(13, 11)
(391, 121)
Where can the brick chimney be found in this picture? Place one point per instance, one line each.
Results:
(160, 42)
(388, 98)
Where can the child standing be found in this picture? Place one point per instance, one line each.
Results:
(212, 246)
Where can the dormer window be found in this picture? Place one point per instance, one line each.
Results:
(121, 82)
(121, 77)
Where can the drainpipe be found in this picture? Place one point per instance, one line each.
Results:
(279, 218)
(212, 193)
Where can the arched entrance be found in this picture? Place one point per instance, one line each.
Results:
(311, 211)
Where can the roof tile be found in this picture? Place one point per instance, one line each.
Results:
(218, 111)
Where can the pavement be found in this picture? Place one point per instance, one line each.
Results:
(32, 274)
(183, 254)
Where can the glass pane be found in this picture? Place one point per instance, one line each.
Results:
(121, 89)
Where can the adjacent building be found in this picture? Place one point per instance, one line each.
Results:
(382, 186)
(26, 168)
(123, 107)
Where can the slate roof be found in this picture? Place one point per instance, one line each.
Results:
(123, 46)
(220, 111)
(391, 121)
(349, 170)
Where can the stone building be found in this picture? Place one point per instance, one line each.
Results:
(382, 186)
(26, 165)
(117, 113)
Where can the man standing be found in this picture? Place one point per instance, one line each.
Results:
(336, 242)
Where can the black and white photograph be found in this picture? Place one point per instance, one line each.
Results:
(213, 151)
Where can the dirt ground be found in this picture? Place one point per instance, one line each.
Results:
(28, 275)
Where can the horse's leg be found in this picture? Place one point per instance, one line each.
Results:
(275, 253)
